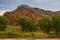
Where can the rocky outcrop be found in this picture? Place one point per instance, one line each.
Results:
(25, 11)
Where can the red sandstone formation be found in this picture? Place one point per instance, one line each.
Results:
(24, 11)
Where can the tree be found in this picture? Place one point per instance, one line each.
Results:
(50, 24)
(26, 24)
(3, 23)
(56, 24)
(45, 25)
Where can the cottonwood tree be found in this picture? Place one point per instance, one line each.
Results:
(3, 23)
(45, 25)
(26, 24)
(56, 24)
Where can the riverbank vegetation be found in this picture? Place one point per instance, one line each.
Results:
(27, 28)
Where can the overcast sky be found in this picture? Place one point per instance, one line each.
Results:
(6, 5)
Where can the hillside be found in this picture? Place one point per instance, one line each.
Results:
(25, 11)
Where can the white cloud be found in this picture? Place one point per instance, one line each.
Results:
(43, 4)
(3, 11)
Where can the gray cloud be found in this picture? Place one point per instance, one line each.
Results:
(44, 4)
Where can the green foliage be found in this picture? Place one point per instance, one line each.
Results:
(3, 23)
(45, 24)
(50, 24)
(27, 24)
(56, 24)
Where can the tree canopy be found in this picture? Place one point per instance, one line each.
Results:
(27, 24)
(3, 23)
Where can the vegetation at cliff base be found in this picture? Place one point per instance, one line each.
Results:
(3, 23)
(28, 28)
(27, 24)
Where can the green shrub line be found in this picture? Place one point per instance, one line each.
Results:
(47, 27)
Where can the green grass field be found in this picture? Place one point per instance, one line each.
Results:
(15, 32)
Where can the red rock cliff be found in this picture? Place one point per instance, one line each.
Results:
(24, 11)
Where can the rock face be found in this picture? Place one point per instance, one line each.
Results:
(25, 11)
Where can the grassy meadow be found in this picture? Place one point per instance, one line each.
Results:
(15, 32)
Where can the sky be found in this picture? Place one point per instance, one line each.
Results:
(8, 5)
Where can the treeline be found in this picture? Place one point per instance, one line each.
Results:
(50, 26)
